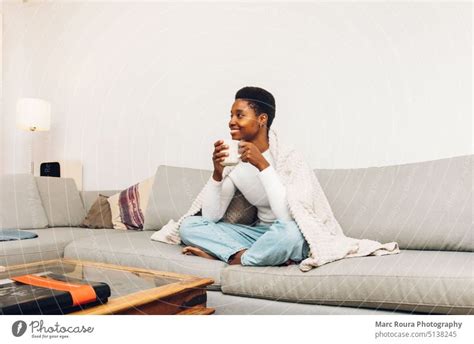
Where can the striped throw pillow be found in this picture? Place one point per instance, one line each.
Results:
(128, 206)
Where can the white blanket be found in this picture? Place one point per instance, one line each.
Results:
(308, 206)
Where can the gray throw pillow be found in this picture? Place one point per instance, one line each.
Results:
(240, 211)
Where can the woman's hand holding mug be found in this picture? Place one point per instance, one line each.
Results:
(218, 156)
(251, 154)
(225, 154)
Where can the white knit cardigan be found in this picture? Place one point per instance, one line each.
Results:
(309, 208)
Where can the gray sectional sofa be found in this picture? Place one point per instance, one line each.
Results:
(426, 207)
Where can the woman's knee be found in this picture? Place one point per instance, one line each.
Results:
(190, 226)
(192, 221)
(290, 232)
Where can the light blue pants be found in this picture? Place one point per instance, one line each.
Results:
(265, 245)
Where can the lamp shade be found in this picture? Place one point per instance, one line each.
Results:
(33, 114)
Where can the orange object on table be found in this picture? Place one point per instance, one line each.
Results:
(81, 293)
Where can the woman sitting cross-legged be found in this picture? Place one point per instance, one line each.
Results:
(276, 238)
(295, 219)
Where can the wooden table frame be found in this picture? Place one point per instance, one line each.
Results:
(186, 296)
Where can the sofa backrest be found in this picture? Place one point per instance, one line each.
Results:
(426, 205)
(172, 194)
(89, 197)
(20, 203)
(61, 201)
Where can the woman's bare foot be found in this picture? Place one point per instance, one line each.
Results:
(191, 250)
(235, 258)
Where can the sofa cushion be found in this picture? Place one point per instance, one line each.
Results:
(426, 205)
(416, 281)
(226, 304)
(61, 201)
(48, 245)
(132, 248)
(20, 203)
(174, 189)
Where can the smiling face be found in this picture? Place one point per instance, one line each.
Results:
(244, 122)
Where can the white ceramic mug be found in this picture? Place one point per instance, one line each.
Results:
(234, 157)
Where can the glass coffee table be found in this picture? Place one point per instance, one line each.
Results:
(133, 290)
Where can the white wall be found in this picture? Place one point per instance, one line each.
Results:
(136, 85)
